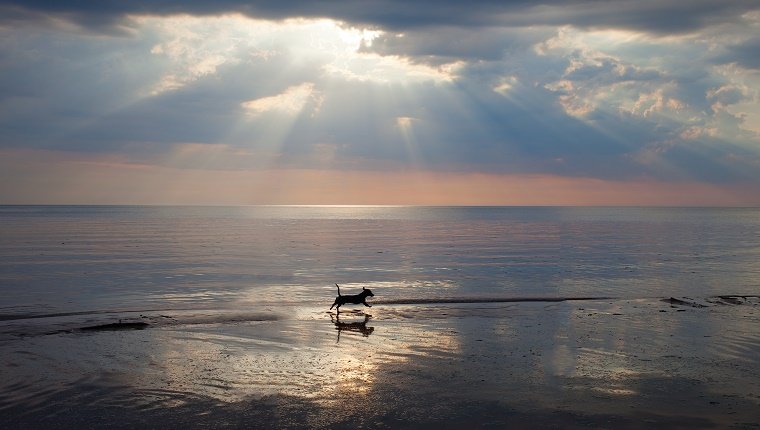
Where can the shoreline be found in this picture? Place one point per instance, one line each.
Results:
(717, 299)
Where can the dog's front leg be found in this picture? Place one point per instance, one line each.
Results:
(367, 304)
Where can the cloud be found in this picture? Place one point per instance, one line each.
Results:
(727, 95)
(291, 101)
(745, 54)
(658, 16)
(447, 44)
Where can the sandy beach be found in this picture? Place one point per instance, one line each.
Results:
(649, 363)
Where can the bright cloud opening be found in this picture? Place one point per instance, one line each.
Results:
(291, 101)
(196, 47)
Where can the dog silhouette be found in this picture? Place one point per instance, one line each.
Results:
(355, 299)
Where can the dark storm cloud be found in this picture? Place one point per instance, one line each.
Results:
(658, 16)
(442, 44)
(746, 54)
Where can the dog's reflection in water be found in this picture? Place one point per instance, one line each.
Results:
(355, 326)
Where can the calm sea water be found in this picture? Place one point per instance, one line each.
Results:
(58, 259)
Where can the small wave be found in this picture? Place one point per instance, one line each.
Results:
(455, 300)
(213, 317)
(98, 321)
(137, 325)
(30, 316)
(708, 301)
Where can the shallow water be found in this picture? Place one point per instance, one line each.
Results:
(581, 364)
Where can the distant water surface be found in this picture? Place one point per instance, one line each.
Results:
(68, 259)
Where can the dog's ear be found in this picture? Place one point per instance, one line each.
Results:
(362, 288)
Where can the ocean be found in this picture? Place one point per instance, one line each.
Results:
(527, 317)
(56, 259)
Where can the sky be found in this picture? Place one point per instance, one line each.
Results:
(574, 102)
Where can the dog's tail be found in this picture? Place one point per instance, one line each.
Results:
(338, 289)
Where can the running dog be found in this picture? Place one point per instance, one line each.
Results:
(356, 299)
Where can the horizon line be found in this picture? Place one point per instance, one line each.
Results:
(209, 205)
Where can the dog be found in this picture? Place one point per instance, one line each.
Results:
(356, 299)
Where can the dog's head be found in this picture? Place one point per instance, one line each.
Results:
(367, 292)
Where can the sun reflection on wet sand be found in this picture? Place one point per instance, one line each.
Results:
(586, 359)
(310, 358)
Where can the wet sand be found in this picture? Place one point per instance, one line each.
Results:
(604, 363)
